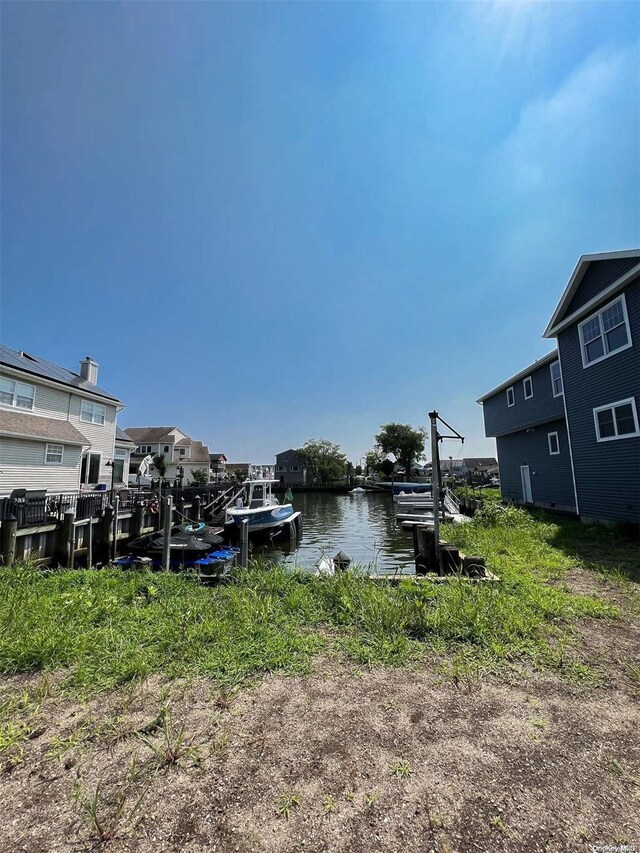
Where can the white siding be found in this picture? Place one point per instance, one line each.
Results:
(22, 467)
(101, 436)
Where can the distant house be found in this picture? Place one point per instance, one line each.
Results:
(566, 426)
(291, 469)
(181, 453)
(218, 465)
(57, 427)
(474, 467)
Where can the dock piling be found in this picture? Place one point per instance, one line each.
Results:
(244, 543)
(9, 536)
(166, 543)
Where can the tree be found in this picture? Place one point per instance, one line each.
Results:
(405, 442)
(199, 477)
(358, 470)
(160, 464)
(377, 463)
(324, 460)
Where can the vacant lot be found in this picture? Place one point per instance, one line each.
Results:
(287, 713)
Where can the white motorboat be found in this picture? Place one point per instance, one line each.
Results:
(260, 508)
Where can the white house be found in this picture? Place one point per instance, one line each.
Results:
(181, 453)
(57, 427)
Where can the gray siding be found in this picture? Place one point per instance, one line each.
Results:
(599, 275)
(551, 479)
(500, 419)
(285, 463)
(607, 473)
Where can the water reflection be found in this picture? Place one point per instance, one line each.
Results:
(361, 525)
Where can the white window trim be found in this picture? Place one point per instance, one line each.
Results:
(553, 452)
(14, 403)
(524, 387)
(95, 407)
(511, 404)
(630, 400)
(46, 453)
(588, 319)
(553, 390)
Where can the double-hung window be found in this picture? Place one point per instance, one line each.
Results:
(511, 400)
(54, 454)
(605, 333)
(17, 394)
(92, 413)
(527, 385)
(617, 420)
(556, 378)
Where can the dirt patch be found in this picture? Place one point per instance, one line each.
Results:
(343, 760)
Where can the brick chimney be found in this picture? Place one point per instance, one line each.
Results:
(89, 370)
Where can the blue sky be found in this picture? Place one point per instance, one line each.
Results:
(282, 221)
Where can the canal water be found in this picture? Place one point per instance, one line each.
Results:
(361, 525)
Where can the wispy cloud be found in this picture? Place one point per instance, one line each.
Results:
(565, 179)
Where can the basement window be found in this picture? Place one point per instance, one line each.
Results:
(617, 420)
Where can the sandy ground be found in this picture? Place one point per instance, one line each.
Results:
(341, 760)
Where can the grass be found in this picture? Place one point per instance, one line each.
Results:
(106, 628)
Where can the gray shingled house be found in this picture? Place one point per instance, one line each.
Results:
(566, 426)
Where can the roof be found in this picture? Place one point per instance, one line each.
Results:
(33, 426)
(122, 437)
(36, 366)
(480, 462)
(217, 457)
(558, 321)
(546, 359)
(150, 435)
(199, 453)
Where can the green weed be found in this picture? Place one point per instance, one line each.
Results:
(287, 800)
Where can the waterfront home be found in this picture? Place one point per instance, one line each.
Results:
(57, 427)
(291, 468)
(218, 465)
(182, 454)
(566, 426)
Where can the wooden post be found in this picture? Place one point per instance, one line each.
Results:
(244, 543)
(180, 508)
(90, 545)
(138, 520)
(9, 536)
(107, 531)
(195, 508)
(69, 536)
(166, 544)
(116, 513)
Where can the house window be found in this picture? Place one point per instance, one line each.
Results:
(53, 454)
(617, 420)
(92, 413)
(511, 400)
(17, 394)
(554, 444)
(166, 448)
(556, 378)
(295, 467)
(90, 470)
(527, 384)
(606, 333)
(183, 451)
